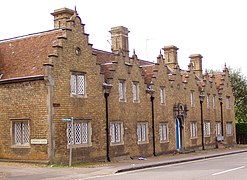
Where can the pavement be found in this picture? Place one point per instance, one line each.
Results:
(25, 171)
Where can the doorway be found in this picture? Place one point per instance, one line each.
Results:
(178, 134)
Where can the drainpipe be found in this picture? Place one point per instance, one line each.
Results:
(107, 87)
(202, 96)
(221, 117)
(153, 127)
(107, 128)
(50, 85)
(151, 91)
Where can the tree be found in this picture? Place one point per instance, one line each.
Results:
(239, 84)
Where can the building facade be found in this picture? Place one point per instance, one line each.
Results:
(60, 97)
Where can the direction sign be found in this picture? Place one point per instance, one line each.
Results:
(67, 119)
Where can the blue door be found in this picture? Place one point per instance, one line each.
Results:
(178, 140)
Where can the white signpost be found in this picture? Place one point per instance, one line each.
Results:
(71, 138)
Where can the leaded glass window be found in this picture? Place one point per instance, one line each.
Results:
(163, 132)
(77, 83)
(21, 132)
(116, 132)
(142, 132)
(78, 133)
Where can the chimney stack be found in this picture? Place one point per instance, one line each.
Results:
(61, 16)
(119, 40)
(196, 62)
(170, 53)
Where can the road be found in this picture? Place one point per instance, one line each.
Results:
(221, 168)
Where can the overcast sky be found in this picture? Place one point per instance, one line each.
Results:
(216, 29)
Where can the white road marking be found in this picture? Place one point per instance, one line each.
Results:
(229, 170)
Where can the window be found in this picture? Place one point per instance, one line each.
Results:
(208, 101)
(229, 130)
(142, 132)
(77, 83)
(228, 102)
(135, 89)
(218, 128)
(162, 95)
(116, 132)
(164, 132)
(214, 101)
(192, 99)
(122, 91)
(20, 130)
(193, 129)
(79, 133)
(206, 129)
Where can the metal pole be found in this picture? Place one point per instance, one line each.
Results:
(221, 116)
(71, 141)
(107, 128)
(202, 128)
(153, 129)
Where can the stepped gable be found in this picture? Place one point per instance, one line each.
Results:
(24, 56)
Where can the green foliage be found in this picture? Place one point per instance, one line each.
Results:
(241, 128)
(239, 84)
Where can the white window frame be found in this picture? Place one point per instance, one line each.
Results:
(207, 130)
(78, 84)
(229, 128)
(218, 128)
(135, 91)
(81, 133)
(162, 95)
(164, 132)
(116, 133)
(192, 98)
(214, 101)
(193, 130)
(142, 132)
(20, 133)
(228, 102)
(122, 90)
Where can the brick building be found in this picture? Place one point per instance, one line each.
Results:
(59, 95)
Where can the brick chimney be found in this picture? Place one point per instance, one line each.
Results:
(61, 16)
(119, 40)
(196, 63)
(170, 53)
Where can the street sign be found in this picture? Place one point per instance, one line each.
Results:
(67, 119)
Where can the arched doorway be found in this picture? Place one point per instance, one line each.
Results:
(180, 113)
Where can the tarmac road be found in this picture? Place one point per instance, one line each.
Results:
(22, 171)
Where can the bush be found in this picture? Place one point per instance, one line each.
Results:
(241, 128)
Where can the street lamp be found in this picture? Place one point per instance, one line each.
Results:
(202, 96)
(151, 92)
(107, 88)
(221, 114)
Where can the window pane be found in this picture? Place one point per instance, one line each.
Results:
(112, 132)
(118, 132)
(70, 133)
(121, 90)
(73, 84)
(25, 131)
(77, 133)
(143, 131)
(139, 132)
(17, 126)
(162, 95)
(85, 133)
(81, 84)
(135, 91)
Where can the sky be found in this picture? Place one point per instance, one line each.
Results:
(216, 29)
